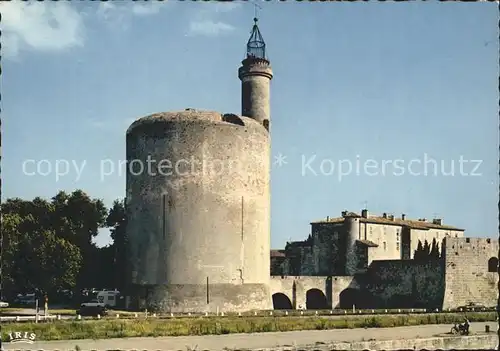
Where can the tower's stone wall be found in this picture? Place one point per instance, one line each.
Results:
(352, 234)
(256, 75)
(199, 218)
(471, 271)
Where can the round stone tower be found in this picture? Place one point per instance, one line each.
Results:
(352, 234)
(255, 75)
(198, 210)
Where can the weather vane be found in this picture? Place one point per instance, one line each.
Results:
(255, 7)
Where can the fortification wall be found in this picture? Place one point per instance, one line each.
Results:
(303, 292)
(468, 277)
(406, 284)
(342, 286)
(319, 292)
(299, 262)
(328, 249)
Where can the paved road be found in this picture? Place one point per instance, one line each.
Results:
(247, 341)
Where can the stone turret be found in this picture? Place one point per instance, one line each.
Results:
(255, 75)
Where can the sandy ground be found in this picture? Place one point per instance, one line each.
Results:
(248, 341)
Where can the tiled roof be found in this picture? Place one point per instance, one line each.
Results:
(367, 243)
(396, 221)
(277, 253)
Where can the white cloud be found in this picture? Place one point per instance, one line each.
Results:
(209, 28)
(150, 8)
(105, 10)
(113, 15)
(119, 15)
(221, 7)
(109, 125)
(39, 26)
(205, 21)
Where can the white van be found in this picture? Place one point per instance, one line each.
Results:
(108, 298)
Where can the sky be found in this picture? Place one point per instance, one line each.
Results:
(360, 87)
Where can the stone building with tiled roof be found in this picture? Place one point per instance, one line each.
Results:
(369, 261)
(346, 245)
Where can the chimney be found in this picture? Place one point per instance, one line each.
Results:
(384, 215)
(403, 217)
(422, 219)
(344, 213)
(437, 221)
(364, 213)
(391, 217)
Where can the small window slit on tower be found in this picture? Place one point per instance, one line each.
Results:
(163, 208)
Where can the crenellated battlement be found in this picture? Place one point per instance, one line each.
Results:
(255, 69)
(468, 243)
(251, 61)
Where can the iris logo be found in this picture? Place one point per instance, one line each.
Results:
(16, 337)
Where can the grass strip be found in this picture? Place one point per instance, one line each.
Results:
(155, 327)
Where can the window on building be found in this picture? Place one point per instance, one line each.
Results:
(266, 124)
(493, 264)
(397, 245)
(385, 245)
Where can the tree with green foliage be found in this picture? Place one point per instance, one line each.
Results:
(434, 254)
(48, 244)
(418, 255)
(36, 259)
(427, 250)
(78, 219)
(117, 220)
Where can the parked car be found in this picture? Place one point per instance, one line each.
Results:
(93, 303)
(4, 304)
